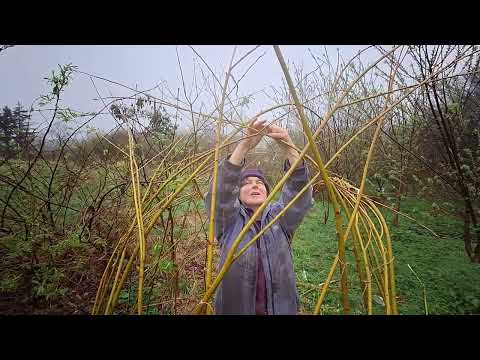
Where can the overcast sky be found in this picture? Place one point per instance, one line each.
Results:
(23, 69)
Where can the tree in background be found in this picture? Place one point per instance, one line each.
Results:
(15, 133)
(450, 131)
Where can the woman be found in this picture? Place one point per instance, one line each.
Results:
(262, 280)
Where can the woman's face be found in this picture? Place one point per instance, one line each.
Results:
(252, 192)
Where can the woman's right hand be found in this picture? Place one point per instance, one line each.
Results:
(255, 131)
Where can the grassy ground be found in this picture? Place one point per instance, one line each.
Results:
(452, 283)
(69, 269)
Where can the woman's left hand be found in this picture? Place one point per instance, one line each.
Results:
(279, 134)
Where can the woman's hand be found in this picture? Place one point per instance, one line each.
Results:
(255, 131)
(280, 135)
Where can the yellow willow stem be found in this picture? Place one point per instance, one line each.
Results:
(372, 256)
(362, 183)
(391, 275)
(138, 212)
(102, 285)
(105, 277)
(102, 288)
(352, 200)
(361, 265)
(117, 286)
(179, 189)
(365, 278)
(172, 177)
(391, 270)
(122, 280)
(347, 212)
(211, 227)
(332, 270)
(147, 231)
(404, 215)
(228, 141)
(385, 277)
(116, 277)
(373, 261)
(111, 143)
(367, 269)
(379, 217)
(325, 177)
(154, 218)
(170, 148)
(424, 289)
(156, 173)
(321, 298)
(369, 254)
(371, 229)
(364, 252)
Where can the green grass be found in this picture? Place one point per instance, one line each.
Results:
(451, 281)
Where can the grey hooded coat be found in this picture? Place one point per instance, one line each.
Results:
(236, 293)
